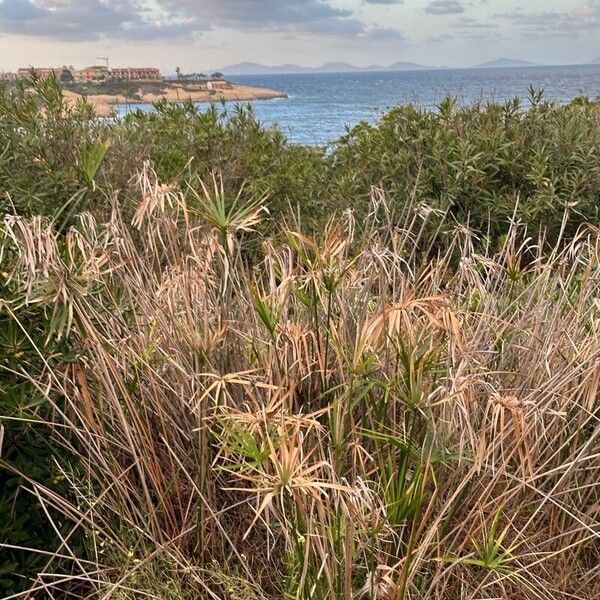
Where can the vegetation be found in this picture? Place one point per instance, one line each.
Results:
(128, 89)
(235, 367)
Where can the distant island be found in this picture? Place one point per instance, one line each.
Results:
(250, 68)
(504, 63)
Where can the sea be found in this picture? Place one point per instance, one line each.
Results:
(321, 107)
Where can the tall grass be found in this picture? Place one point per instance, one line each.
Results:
(359, 414)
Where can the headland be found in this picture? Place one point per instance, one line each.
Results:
(104, 100)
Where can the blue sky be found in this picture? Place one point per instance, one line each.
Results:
(204, 34)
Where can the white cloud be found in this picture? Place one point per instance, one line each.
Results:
(444, 7)
(77, 20)
(583, 18)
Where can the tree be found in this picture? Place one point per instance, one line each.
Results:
(66, 75)
(178, 71)
(217, 75)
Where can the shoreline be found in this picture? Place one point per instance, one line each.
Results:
(104, 104)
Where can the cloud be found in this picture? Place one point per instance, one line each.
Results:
(584, 18)
(81, 20)
(382, 34)
(264, 14)
(441, 38)
(473, 24)
(21, 10)
(285, 16)
(478, 31)
(444, 7)
(383, 1)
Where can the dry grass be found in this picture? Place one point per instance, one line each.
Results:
(345, 419)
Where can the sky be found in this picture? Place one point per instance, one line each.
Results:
(209, 34)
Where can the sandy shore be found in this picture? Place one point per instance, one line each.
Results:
(104, 103)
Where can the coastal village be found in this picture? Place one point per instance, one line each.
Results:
(98, 74)
(106, 88)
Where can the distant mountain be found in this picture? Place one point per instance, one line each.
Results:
(503, 63)
(596, 62)
(249, 68)
(331, 67)
(339, 67)
(407, 66)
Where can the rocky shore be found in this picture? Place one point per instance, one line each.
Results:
(175, 92)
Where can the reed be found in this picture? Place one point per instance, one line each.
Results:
(361, 413)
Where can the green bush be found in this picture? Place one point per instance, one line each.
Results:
(479, 164)
(483, 164)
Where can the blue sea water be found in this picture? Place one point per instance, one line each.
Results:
(322, 106)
